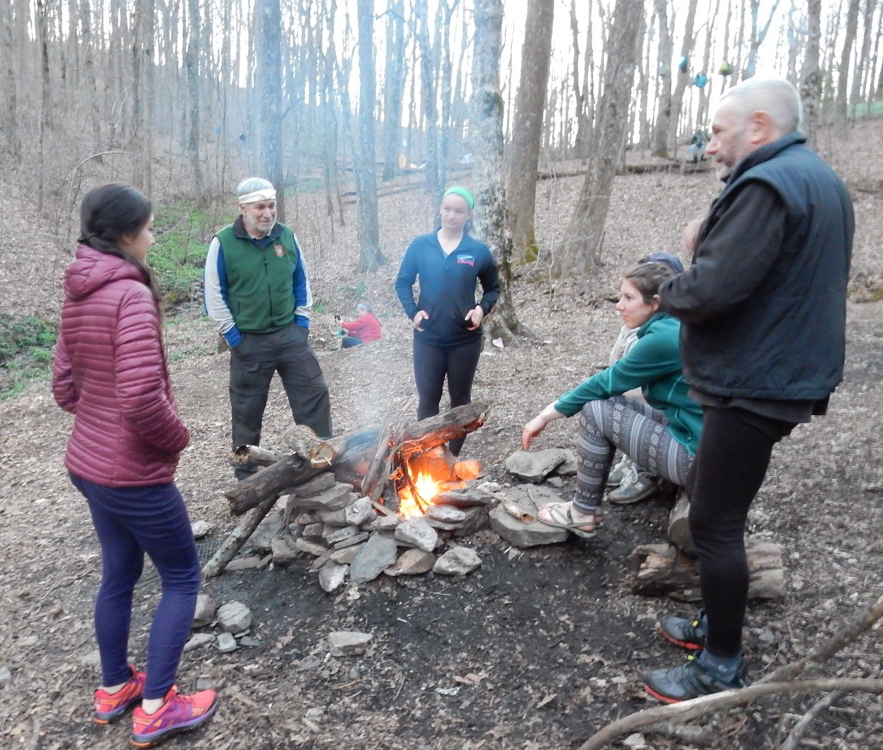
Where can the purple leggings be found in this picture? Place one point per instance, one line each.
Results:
(130, 521)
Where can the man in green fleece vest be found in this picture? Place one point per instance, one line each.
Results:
(258, 292)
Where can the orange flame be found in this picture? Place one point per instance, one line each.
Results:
(427, 488)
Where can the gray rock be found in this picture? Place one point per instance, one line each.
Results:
(476, 520)
(332, 536)
(348, 642)
(388, 523)
(264, 534)
(555, 481)
(199, 639)
(205, 611)
(457, 561)
(521, 534)
(207, 683)
(226, 643)
(350, 541)
(5, 675)
(248, 562)
(314, 486)
(567, 468)
(412, 562)
(283, 553)
(234, 617)
(377, 553)
(360, 511)
(250, 642)
(465, 498)
(321, 560)
(334, 498)
(445, 514)
(534, 467)
(345, 556)
(311, 548)
(415, 532)
(305, 518)
(200, 529)
(314, 530)
(332, 576)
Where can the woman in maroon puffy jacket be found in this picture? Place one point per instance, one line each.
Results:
(110, 372)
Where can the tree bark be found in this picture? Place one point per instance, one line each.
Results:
(527, 128)
(581, 246)
(663, 75)
(486, 134)
(810, 75)
(394, 87)
(269, 80)
(366, 163)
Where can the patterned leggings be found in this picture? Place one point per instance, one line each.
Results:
(639, 431)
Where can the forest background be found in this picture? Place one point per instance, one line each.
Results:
(571, 122)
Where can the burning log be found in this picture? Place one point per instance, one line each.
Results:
(351, 455)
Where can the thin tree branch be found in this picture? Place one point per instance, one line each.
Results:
(720, 702)
(793, 739)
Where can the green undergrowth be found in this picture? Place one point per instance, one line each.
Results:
(183, 232)
(26, 344)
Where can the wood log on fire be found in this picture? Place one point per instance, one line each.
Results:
(664, 570)
(350, 455)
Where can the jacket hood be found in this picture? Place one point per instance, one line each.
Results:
(92, 270)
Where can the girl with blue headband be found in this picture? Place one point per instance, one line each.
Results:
(449, 264)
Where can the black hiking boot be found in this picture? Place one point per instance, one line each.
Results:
(690, 680)
(688, 634)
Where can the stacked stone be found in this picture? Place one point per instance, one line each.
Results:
(351, 541)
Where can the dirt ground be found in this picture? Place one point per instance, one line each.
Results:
(538, 648)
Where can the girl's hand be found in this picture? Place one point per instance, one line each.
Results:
(419, 318)
(532, 430)
(474, 316)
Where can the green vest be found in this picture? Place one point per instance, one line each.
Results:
(260, 284)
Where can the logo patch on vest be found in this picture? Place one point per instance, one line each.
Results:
(468, 260)
(280, 251)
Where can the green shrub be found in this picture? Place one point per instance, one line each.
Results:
(25, 350)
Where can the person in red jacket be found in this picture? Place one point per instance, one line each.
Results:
(363, 330)
(110, 372)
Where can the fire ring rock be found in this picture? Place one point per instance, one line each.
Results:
(416, 532)
(535, 467)
(234, 617)
(457, 561)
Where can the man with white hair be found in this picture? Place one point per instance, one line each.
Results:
(258, 292)
(763, 318)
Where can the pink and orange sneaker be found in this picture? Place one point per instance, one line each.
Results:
(180, 713)
(111, 706)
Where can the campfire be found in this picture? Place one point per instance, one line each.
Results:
(367, 480)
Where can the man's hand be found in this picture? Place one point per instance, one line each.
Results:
(419, 318)
(474, 316)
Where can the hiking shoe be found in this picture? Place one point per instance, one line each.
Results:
(635, 486)
(180, 713)
(111, 706)
(688, 634)
(618, 471)
(690, 680)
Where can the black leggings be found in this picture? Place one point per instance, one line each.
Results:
(432, 364)
(730, 465)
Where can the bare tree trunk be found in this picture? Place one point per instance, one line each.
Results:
(666, 51)
(757, 36)
(45, 99)
(527, 129)
(683, 79)
(366, 166)
(394, 87)
(843, 73)
(191, 62)
(582, 241)
(486, 131)
(811, 76)
(427, 96)
(9, 102)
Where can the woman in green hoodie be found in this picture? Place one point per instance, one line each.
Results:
(661, 434)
